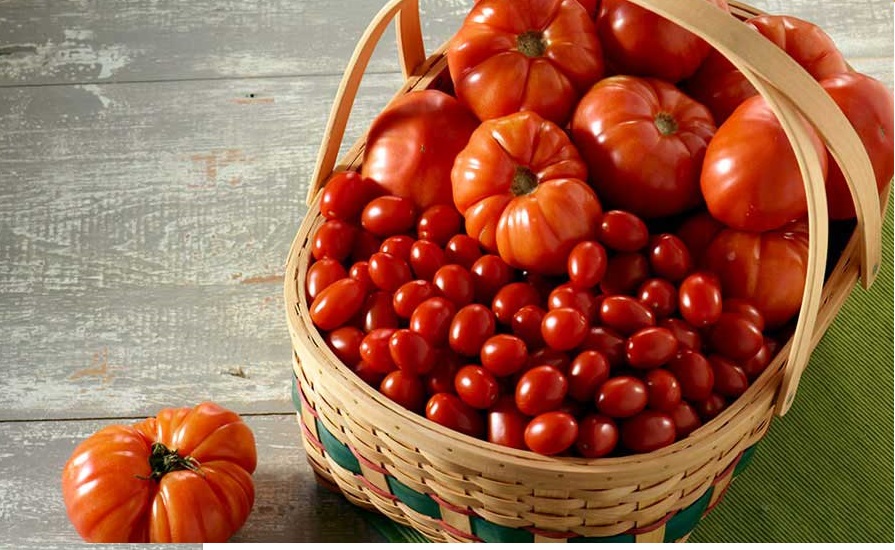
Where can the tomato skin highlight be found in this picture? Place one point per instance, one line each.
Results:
(551, 433)
(337, 304)
(450, 411)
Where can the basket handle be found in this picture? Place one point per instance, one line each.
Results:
(791, 91)
(411, 54)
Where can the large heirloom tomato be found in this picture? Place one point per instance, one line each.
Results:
(722, 87)
(644, 141)
(750, 177)
(639, 42)
(519, 183)
(767, 269)
(537, 55)
(867, 104)
(411, 146)
(182, 476)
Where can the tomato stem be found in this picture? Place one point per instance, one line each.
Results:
(524, 181)
(163, 460)
(531, 43)
(666, 124)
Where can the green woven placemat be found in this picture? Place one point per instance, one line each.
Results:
(824, 473)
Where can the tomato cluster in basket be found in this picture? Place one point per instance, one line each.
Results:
(593, 242)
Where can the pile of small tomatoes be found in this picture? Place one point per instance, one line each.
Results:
(593, 242)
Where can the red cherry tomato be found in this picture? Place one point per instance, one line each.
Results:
(587, 372)
(462, 250)
(378, 312)
(541, 389)
(405, 389)
(334, 239)
(744, 308)
(450, 411)
(582, 300)
(441, 377)
(663, 390)
(697, 233)
(687, 337)
(345, 195)
(597, 436)
(587, 264)
(477, 387)
(700, 299)
(735, 337)
(388, 215)
(455, 283)
(526, 324)
(506, 425)
(337, 304)
(410, 295)
(365, 245)
(685, 418)
(624, 273)
(470, 328)
(490, 274)
(659, 295)
(621, 397)
(432, 320)
(625, 315)
(321, 274)
(438, 224)
(623, 231)
(564, 328)
(710, 407)
(670, 258)
(388, 272)
(648, 431)
(650, 347)
(512, 298)
(375, 351)
(694, 373)
(398, 246)
(730, 380)
(503, 354)
(360, 272)
(559, 360)
(608, 342)
(411, 352)
(551, 433)
(369, 375)
(426, 258)
(755, 365)
(345, 344)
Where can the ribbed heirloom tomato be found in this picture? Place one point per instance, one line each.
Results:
(519, 183)
(182, 476)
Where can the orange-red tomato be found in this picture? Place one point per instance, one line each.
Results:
(519, 184)
(184, 475)
(536, 55)
(411, 146)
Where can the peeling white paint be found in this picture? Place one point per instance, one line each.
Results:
(53, 58)
(96, 91)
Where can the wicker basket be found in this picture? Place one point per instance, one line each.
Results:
(452, 487)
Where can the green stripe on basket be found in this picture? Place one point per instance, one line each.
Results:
(416, 501)
(686, 520)
(491, 532)
(745, 460)
(338, 451)
(615, 539)
(296, 399)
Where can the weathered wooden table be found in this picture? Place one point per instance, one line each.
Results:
(154, 157)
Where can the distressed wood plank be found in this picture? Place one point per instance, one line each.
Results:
(289, 505)
(50, 41)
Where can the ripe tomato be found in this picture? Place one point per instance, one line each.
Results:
(532, 55)
(438, 224)
(405, 389)
(455, 283)
(450, 411)
(410, 295)
(411, 352)
(551, 433)
(375, 351)
(345, 194)
(321, 274)
(625, 315)
(686, 335)
(184, 475)
(389, 272)
(412, 144)
(489, 274)
(526, 324)
(622, 397)
(643, 141)
(345, 344)
(506, 425)
(337, 304)
(567, 295)
(663, 390)
(730, 380)
(398, 246)
(368, 374)
(432, 319)
(564, 328)
(750, 178)
(587, 372)
(587, 264)
(608, 342)
(650, 347)
(710, 407)
(559, 360)
(768, 269)
(697, 232)
(755, 365)
(868, 105)
(638, 41)
(462, 250)
(699, 299)
(623, 231)
(360, 272)
(503, 354)
(659, 295)
(597, 436)
(686, 419)
(441, 378)
(512, 298)
(476, 386)
(470, 328)
(519, 185)
(389, 215)
(378, 312)
(722, 87)
(426, 258)
(541, 389)
(365, 245)
(735, 337)
(334, 239)
(744, 308)
(624, 273)
(694, 374)
(648, 431)
(670, 258)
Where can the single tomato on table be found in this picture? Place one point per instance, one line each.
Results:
(184, 475)
(519, 183)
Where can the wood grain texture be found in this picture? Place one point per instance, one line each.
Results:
(289, 505)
